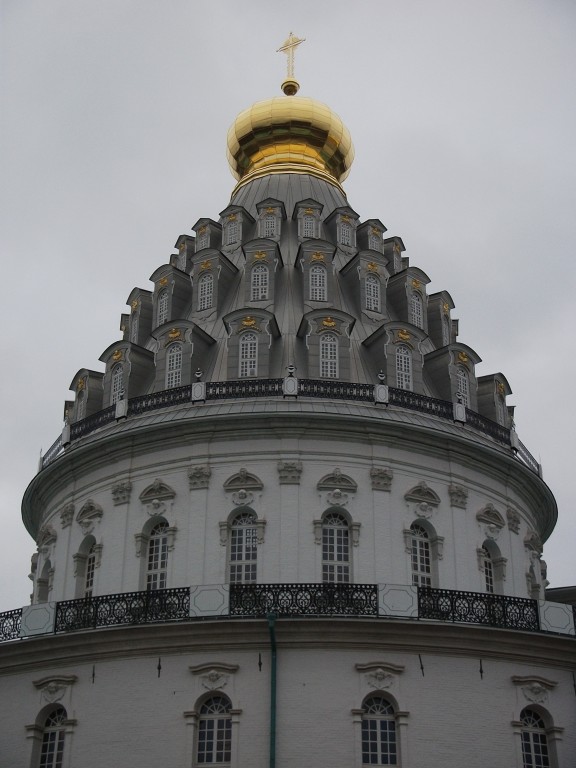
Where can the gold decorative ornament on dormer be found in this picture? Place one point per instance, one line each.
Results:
(163, 281)
(232, 217)
(500, 388)
(317, 256)
(375, 231)
(416, 283)
(117, 355)
(134, 305)
(248, 321)
(174, 333)
(259, 256)
(372, 266)
(397, 248)
(446, 308)
(309, 211)
(345, 218)
(207, 264)
(329, 322)
(81, 383)
(202, 230)
(181, 245)
(463, 357)
(270, 210)
(403, 335)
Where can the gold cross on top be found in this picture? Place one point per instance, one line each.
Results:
(288, 47)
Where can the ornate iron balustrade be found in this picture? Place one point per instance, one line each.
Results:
(478, 608)
(10, 625)
(258, 600)
(315, 388)
(126, 608)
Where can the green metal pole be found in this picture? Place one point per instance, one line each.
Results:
(272, 630)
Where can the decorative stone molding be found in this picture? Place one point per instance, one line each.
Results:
(88, 516)
(158, 498)
(492, 521)
(199, 476)
(336, 498)
(498, 564)
(289, 472)
(80, 558)
(67, 515)
(54, 687)
(534, 688)
(46, 538)
(242, 497)
(532, 542)
(422, 500)
(458, 496)
(121, 492)
(337, 481)
(380, 675)
(215, 676)
(513, 520)
(141, 540)
(381, 478)
(243, 480)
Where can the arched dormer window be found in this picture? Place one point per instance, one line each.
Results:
(535, 753)
(214, 745)
(259, 281)
(117, 382)
(308, 226)
(421, 557)
(463, 386)
(379, 740)
(416, 314)
(202, 238)
(328, 356)
(318, 283)
(157, 563)
(248, 360)
(232, 230)
(243, 548)
(404, 368)
(162, 314)
(205, 291)
(335, 549)
(80, 405)
(269, 225)
(374, 241)
(345, 233)
(173, 366)
(372, 288)
(134, 328)
(53, 739)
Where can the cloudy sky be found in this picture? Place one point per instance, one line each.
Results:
(113, 127)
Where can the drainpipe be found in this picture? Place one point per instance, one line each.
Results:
(272, 630)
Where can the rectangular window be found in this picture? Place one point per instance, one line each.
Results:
(270, 226)
(243, 555)
(308, 226)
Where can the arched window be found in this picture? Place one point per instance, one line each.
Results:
(345, 233)
(53, 739)
(243, 549)
(174, 366)
(308, 226)
(374, 242)
(372, 288)
(157, 565)
(318, 283)
(202, 238)
(487, 570)
(328, 356)
(205, 291)
(463, 386)
(416, 316)
(89, 571)
(269, 225)
(43, 583)
(259, 278)
(117, 382)
(248, 355)
(379, 742)
(232, 232)
(403, 368)
(335, 548)
(421, 558)
(214, 732)
(534, 740)
(80, 405)
(162, 316)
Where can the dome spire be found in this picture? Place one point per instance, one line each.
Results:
(290, 86)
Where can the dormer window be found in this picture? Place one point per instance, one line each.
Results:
(463, 386)
(202, 238)
(269, 225)
(375, 240)
(232, 230)
(329, 356)
(134, 327)
(416, 314)
(248, 363)
(117, 383)
(81, 405)
(162, 314)
(318, 283)
(173, 366)
(345, 233)
(404, 368)
(205, 292)
(308, 226)
(372, 288)
(259, 280)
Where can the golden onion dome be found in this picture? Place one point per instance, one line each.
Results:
(289, 134)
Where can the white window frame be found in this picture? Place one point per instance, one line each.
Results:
(463, 386)
(269, 225)
(117, 382)
(329, 354)
(404, 379)
(203, 239)
(205, 291)
(420, 556)
(308, 225)
(157, 557)
(53, 743)
(372, 291)
(259, 282)
(417, 310)
(232, 232)
(534, 740)
(243, 549)
(162, 307)
(380, 738)
(214, 729)
(173, 366)
(248, 355)
(346, 233)
(336, 552)
(318, 279)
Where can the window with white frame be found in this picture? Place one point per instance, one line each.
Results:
(416, 315)
(463, 386)
(403, 368)
(202, 238)
(328, 356)
(374, 241)
(53, 739)
(269, 225)
(335, 549)
(308, 226)
(535, 752)
(232, 230)
(259, 280)
(81, 405)
(248, 362)
(372, 288)
(205, 291)
(162, 314)
(243, 549)
(117, 382)
(214, 744)
(487, 569)
(379, 740)
(420, 556)
(157, 565)
(345, 233)
(89, 571)
(318, 283)
(174, 366)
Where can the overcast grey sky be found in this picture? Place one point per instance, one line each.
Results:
(114, 121)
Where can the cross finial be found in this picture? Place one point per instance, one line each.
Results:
(288, 47)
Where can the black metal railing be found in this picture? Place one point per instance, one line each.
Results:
(415, 402)
(163, 399)
(478, 608)
(340, 390)
(489, 427)
(10, 622)
(126, 608)
(92, 423)
(527, 458)
(222, 390)
(303, 599)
